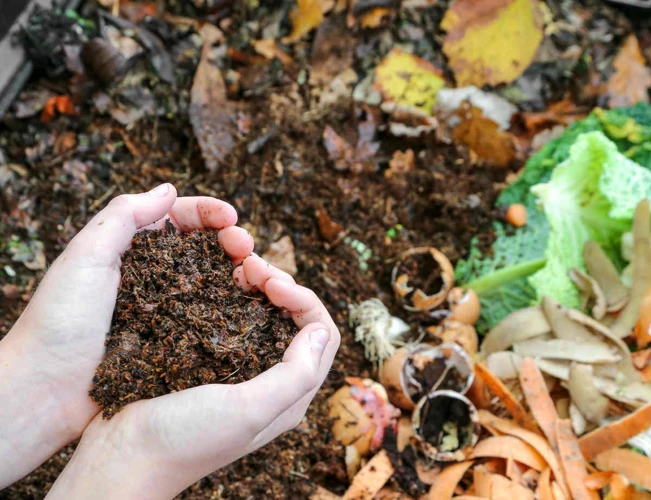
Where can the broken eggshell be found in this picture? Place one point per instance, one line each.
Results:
(437, 283)
(464, 306)
(446, 426)
(458, 332)
(361, 413)
(413, 372)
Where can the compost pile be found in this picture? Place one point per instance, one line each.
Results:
(180, 321)
(464, 189)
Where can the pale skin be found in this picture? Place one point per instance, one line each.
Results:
(152, 449)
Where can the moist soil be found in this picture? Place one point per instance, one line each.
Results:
(180, 321)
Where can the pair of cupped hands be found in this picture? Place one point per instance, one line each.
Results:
(152, 448)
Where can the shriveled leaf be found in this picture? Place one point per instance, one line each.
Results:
(492, 41)
(281, 255)
(61, 103)
(631, 80)
(408, 80)
(307, 15)
(212, 116)
(484, 137)
(332, 50)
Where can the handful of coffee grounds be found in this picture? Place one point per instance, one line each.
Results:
(180, 321)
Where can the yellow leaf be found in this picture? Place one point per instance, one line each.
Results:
(630, 82)
(491, 41)
(307, 15)
(408, 80)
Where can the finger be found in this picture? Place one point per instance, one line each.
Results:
(109, 233)
(272, 393)
(258, 271)
(302, 302)
(237, 242)
(190, 213)
(306, 308)
(240, 279)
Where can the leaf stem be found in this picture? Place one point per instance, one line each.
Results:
(506, 275)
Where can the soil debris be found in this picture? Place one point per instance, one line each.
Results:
(181, 321)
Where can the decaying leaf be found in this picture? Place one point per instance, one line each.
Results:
(332, 50)
(400, 163)
(212, 116)
(61, 103)
(328, 228)
(408, 80)
(307, 15)
(281, 254)
(344, 156)
(269, 49)
(492, 41)
(484, 137)
(630, 82)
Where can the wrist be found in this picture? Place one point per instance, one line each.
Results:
(33, 425)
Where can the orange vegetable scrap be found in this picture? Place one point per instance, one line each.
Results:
(572, 462)
(512, 404)
(616, 433)
(540, 402)
(445, 484)
(633, 466)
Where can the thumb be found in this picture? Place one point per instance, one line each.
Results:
(109, 233)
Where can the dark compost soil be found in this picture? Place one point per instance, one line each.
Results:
(180, 321)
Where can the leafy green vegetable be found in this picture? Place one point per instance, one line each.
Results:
(501, 278)
(592, 195)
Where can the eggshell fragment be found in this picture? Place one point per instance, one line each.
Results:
(415, 299)
(457, 332)
(446, 426)
(464, 306)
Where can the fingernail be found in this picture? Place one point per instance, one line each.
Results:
(160, 191)
(319, 339)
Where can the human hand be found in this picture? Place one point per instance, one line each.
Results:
(48, 359)
(156, 448)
